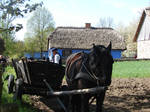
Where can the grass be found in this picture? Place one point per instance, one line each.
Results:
(8, 98)
(129, 69)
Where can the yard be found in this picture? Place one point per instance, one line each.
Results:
(131, 69)
(129, 91)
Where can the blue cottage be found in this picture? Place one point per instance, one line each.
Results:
(70, 40)
(36, 55)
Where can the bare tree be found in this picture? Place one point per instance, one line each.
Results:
(106, 22)
(128, 33)
(39, 26)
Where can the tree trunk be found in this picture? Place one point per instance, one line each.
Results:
(1, 83)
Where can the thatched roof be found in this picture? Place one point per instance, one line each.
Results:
(83, 38)
(145, 12)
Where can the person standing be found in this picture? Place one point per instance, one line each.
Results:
(56, 58)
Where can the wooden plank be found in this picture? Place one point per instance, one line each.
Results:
(57, 98)
(15, 67)
(26, 69)
(79, 91)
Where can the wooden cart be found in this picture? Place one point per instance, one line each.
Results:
(30, 76)
(42, 78)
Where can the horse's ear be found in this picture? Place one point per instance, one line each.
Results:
(109, 46)
(93, 45)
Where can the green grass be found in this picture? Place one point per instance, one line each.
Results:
(8, 98)
(129, 69)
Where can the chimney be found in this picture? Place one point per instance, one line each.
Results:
(87, 25)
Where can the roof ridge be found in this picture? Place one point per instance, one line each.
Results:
(72, 27)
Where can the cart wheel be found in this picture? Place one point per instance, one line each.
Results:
(10, 83)
(18, 90)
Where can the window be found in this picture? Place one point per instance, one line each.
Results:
(66, 52)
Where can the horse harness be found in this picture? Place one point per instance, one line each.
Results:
(84, 72)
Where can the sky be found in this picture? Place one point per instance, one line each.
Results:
(78, 12)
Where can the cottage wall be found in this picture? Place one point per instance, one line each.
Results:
(143, 42)
(145, 30)
(116, 54)
(143, 49)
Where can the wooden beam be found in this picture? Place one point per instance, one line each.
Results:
(139, 26)
(79, 91)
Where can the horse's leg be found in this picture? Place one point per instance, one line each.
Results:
(72, 104)
(99, 101)
(85, 103)
(76, 103)
(84, 99)
(81, 103)
(81, 98)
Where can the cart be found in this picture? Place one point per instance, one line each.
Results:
(42, 78)
(30, 76)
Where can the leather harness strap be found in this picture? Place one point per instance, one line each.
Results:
(72, 59)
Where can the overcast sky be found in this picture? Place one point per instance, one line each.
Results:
(79, 12)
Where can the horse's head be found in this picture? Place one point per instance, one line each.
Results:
(100, 63)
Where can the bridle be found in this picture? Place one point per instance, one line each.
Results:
(92, 74)
(89, 71)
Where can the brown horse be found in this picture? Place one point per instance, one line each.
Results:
(87, 70)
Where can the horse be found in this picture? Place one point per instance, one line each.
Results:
(87, 70)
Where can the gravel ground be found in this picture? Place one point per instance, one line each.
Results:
(124, 95)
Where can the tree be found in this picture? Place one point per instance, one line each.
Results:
(128, 33)
(12, 9)
(39, 26)
(30, 45)
(9, 11)
(19, 49)
(106, 22)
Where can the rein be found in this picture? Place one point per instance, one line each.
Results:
(91, 74)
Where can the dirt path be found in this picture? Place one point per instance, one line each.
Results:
(128, 95)
(124, 95)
